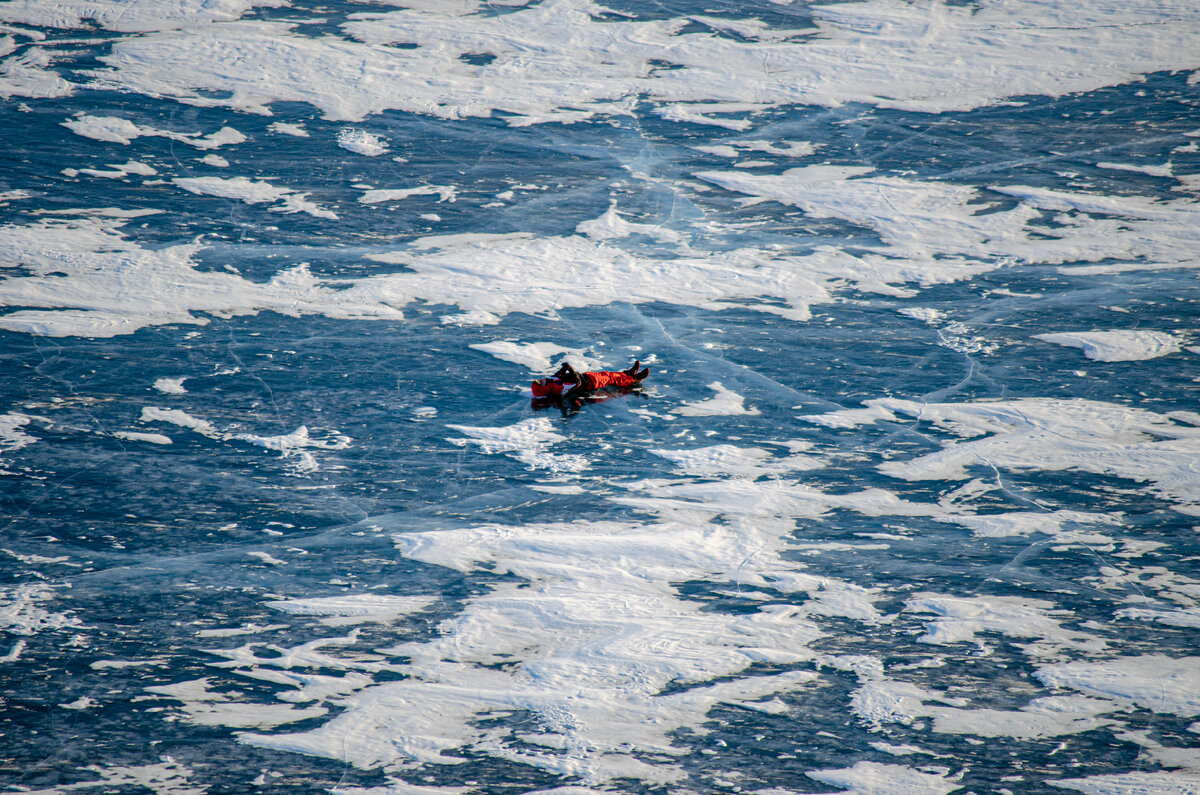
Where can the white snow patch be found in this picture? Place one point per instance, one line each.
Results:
(83, 702)
(166, 777)
(122, 131)
(488, 276)
(104, 285)
(1152, 681)
(247, 629)
(874, 778)
(611, 226)
(528, 441)
(130, 16)
(938, 232)
(7, 196)
(119, 170)
(292, 446)
(1023, 523)
(601, 66)
(395, 786)
(1052, 716)
(135, 436)
(363, 608)
(1164, 170)
(1179, 617)
(501, 274)
(538, 357)
(11, 435)
(900, 750)
(1136, 783)
(182, 419)
(445, 193)
(35, 559)
(284, 128)
(296, 440)
(923, 313)
(171, 386)
(725, 460)
(1047, 434)
(254, 192)
(879, 700)
(362, 142)
(594, 631)
(29, 74)
(206, 708)
(21, 612)
(724, 403)
(960, 618)
(1117, 346)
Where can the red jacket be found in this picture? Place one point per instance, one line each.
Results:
(589, 382)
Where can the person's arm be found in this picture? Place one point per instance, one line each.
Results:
(582, 386)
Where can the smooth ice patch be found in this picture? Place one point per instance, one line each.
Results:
(1117, 346)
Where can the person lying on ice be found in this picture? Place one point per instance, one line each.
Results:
(571, 384)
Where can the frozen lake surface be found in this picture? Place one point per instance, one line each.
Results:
(910, 502)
